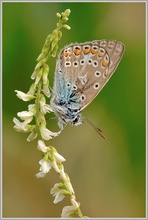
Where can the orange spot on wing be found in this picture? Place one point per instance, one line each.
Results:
(104, 63)
(100, 54)
(76, 51)
(86, 51)
(67, 53)
(93, 51)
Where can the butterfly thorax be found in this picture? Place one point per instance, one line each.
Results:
(66, 111)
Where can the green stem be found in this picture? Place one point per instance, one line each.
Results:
(37, 103)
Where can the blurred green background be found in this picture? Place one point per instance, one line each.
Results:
(108, 175)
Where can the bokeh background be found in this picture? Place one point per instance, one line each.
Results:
(108, 176)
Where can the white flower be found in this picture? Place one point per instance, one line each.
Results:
(32, 89)
(57, 192)
(42, 147)
(24, 96)
(45, 166)
(25, 115)
(59, 158)
(44, 169)
(74, 202)
(40, 175)
(22, 126)
(63, 175)
(67, 211)
(44, 107)
(47, 134)
(65, 178)
(46, 89)
(55, 166)
(31, 106)
(32, 136)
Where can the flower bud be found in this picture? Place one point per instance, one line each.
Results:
(66, 27)
(58, 15)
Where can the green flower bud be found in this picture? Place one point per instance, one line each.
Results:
(41, 63)
(33, 76)
(54, 43)
(67, 12)
(45, 73)
(58, 15)
(59, 35)
(39, 75)
(32, 89)
(54, 52)
(66, 27)
(46, 90)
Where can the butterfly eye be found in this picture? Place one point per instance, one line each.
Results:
(96, 86)
(82, 97)
(97, 74)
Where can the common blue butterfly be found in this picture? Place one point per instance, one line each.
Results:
(82, 70)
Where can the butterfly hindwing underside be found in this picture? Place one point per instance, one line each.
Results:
(82, 70)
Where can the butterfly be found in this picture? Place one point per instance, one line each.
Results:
(82, 70)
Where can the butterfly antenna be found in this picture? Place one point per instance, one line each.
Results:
(98, 130)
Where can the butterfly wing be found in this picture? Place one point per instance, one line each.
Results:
(105, 56)
(83, 69)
